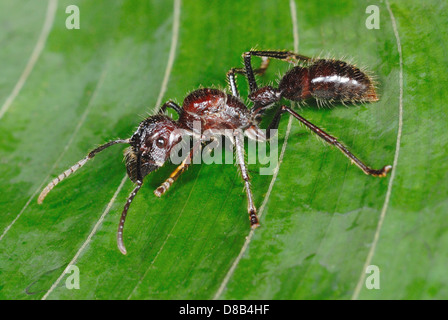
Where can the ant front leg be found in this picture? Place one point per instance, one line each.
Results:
(179, 170)
(330, 140)
(252, 211)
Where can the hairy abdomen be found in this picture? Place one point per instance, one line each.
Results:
(328, 80)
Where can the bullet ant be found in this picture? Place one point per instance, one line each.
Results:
(324, 80)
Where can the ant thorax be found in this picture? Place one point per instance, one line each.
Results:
(215, 110)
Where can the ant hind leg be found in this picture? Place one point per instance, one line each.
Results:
(330, 140)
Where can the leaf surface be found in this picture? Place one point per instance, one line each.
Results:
(322, 220)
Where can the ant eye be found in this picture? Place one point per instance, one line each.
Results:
(160, 142)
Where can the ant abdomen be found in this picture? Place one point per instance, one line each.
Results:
(328, 80)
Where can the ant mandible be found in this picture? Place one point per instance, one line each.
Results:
(215, 110)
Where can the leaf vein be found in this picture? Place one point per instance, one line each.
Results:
(397, 152)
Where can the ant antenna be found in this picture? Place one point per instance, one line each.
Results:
(75, 167)
(131, 197)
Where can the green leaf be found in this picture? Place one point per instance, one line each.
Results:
(322, 220)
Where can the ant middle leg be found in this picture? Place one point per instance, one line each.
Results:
(330, 140)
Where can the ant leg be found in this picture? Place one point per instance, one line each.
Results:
(231, 75)
(75, 167)
(170, 104)
(274, 123)
(287, 56)
(250, 72)
(232, 81)
(263, 67)
(333, 141)
(131, 197)
(245, 175)
(259, 71)
(179, 170)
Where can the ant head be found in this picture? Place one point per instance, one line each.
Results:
(152, 142)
